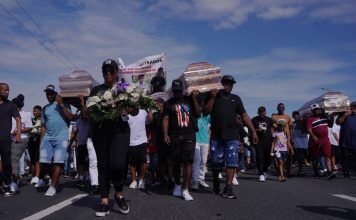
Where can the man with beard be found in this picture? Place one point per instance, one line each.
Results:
(179, 127)
(54, 137)
(224, 108)
(8, 110)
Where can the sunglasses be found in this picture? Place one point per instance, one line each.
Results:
(108, 70)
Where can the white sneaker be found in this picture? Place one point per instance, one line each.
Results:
(34, 180)
(186, 196)
(51, 191)
(234, 181)
(262, 178)
(41, 183)
(177, 191)
(141, 184)
(203, 184)
(195, 185)
(13, 187)
(242, 171)
(133, 185)
(220, 176)
(265, 174)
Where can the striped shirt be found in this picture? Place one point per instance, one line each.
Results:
(319, 126)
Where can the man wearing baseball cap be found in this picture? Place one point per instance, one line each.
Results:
(179, 127)
(56, 117)
(319, 142)
(224, 108)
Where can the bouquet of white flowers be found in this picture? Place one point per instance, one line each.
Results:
(110, 105)
(36, 129)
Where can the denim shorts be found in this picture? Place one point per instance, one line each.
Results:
(282, 155)
(224, 153)
(53, 149)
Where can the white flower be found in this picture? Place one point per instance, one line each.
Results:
(90, 104)
(134, 98)
(123, 96)
(130, 89)
(135, 95)
(107, 95)
(93, 99)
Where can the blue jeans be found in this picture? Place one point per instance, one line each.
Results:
(224, 153)
(53, 149)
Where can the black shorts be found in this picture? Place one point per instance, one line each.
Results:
(301, 153)
(183, 148)
(34, 149)
(137, 154)
(82, 155)
(335, 151)
(163, 152)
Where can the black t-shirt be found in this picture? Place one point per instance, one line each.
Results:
(181, 115)
(8, 110)
(158, 82)
(224, 124)
(99, 90)
(264, 123)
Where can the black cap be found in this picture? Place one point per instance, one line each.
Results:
(177, 84)
(110, 62)
(228, 78)
(50, 88)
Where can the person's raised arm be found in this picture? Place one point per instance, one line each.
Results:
(342, 119)
(197, 108)
(83, 107)
(67, 114)
(208, 107)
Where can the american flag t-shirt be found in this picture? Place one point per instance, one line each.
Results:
(182, 114)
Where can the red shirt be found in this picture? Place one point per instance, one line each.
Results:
(319, 127)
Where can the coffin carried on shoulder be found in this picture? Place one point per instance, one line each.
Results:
(201, 76)
(78, 82)
(330, 102)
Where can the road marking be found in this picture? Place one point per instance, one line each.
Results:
(345, 197)
(55, 207)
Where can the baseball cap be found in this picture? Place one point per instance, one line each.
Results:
(281, 122)
(314, 106)
(177, 84)
(110, 62)
(228, 78)
(50, 88)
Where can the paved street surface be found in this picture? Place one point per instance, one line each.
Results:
(297, 198)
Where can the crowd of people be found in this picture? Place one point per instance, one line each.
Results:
(173, 146)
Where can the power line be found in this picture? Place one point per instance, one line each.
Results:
(44, 33)
(34, 36)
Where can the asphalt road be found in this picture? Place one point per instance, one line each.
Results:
(297, 198)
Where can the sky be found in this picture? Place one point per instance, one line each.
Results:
(277, 50)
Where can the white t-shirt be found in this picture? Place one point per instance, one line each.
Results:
(26, 122)
(334, 129)
(138, 128)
